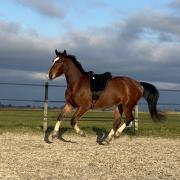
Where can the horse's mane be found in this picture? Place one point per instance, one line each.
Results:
(77, 63)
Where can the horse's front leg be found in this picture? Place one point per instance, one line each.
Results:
(67, 108)
(79, 112)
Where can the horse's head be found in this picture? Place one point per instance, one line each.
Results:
(57, 68)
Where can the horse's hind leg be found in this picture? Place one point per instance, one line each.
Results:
(117, 121)
(128, 118)
(117, 117)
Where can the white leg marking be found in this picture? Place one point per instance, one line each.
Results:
(120, 130)
(57, 126)
(130, 124)
(111, 134)
(76, 128)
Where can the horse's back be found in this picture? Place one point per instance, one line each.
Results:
(121, 90)
(125, 82)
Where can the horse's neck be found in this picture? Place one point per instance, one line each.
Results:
(72, 74)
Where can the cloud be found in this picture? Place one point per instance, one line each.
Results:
(154, 23)
(22, 48)
(175, 4)
(45, 7)
(9, 28)
(10, 74)
(165, 85)
(144, 46)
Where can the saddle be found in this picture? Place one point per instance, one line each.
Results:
(98, 83)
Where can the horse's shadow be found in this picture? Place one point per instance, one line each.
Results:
(101, 135)
(60, 137)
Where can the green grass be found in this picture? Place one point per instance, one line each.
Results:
(18, 120)
(170, 128)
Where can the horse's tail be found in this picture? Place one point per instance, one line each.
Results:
(151, 95)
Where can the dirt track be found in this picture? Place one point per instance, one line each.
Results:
(29, 157)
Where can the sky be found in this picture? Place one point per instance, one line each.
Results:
(140, 39)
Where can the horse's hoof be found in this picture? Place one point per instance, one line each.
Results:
(55, 135)
(105, 142)
(117, 135)
(82, 134)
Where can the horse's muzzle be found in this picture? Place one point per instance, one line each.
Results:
(50, 76)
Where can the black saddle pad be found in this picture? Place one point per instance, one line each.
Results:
(98, 83)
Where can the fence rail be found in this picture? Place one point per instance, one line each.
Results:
(30, 84)
(64, 86)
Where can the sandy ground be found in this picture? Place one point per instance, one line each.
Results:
(25, 156)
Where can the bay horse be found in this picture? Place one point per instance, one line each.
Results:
(121, 92)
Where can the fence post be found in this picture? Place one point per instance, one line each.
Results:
(45, 107)
(136, 119)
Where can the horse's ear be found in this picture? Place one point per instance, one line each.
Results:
(56, 52)
(65, 53)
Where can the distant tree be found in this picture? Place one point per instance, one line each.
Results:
(10, 105)
(2, 105)
(28, 106)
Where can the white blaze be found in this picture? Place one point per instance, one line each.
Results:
(56, 59)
